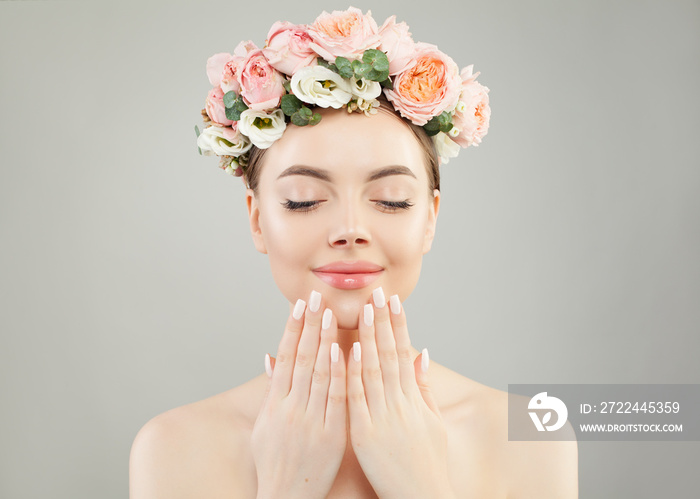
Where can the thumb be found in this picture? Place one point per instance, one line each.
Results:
(420, 366)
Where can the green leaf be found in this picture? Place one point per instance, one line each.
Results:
(387, 84)
(234, 113)
(305, 112)
(298, 120)
(375, 75)
(377, 59)
(229, 98)
(322, 62)
(344, 67)
(196, 130)
(287, 84)
(432, 127)
(360, 69)
(315, 119)
(290, 104)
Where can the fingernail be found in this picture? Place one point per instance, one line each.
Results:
(268, 367)
(395, 304)
(378, 295)
(334, 352)
(356, 351)
(369, 315)
(314, 301)
(299, 309)
(326, 321)
(424, 360)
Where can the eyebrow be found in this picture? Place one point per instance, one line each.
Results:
(325, 175)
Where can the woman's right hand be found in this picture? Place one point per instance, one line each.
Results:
(299, 437)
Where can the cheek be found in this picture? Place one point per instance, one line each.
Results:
(291, 243)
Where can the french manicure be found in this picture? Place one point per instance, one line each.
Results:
(395, 304)
(299, 309)
(268, 367)
(356, 351)
(378, 295)
(424, 360)
(369, 315)
(334, 352)
(314, 301)
(326, 321)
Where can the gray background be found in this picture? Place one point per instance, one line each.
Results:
(567, 245)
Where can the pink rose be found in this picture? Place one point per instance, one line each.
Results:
(473, 114)
(287, 47)
(343, 33)
(261, 84)
(222, 70)
(215, 107)
(397, 44)
(428, 87)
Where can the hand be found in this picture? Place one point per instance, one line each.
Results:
(299, 437)
(396, 428)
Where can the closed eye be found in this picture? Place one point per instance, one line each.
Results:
(307, 206)
(394, 205)
(301, 206)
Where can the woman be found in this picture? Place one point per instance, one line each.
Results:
(345, 205)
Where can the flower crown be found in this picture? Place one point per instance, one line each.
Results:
(342, 60)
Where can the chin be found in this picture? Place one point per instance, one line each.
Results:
(347, 309)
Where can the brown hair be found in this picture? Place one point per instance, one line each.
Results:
(256, 155)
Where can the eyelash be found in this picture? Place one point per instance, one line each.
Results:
(307, 206)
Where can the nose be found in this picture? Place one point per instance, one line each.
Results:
(348, 229)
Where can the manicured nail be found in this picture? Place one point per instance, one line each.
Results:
(314, 301)
(299, 309)
(369, 315)
(326, 321)
(378, 295)
(268, 367)
(356, 351)
(334, 352)
(424, 360)
(395, 304)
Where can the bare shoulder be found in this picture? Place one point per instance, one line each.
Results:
(523, 469)
(195, 450)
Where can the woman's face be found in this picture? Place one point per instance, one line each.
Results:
(344, 207)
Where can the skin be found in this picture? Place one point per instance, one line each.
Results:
(374, 427)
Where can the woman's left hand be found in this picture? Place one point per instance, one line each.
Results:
(396, 428)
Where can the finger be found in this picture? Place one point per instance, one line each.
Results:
(386, 348)
(371, 369)
(336, 409)
(407, 373)
(421, 368)
(320, 379)
(286, 352)
(358, 410)
(307, 350)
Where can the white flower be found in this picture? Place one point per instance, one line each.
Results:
(262, 129)
(321, 86)
(222, 141)
(366, 89)
(445, 147)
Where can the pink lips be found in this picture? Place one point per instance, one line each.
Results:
(349, 275)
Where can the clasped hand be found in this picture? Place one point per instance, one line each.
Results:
(395, 427)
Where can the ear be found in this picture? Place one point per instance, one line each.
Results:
(254, 218)
(434, 209)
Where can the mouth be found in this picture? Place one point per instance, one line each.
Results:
(349, 275)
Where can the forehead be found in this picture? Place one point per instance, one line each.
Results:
(348, 145)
